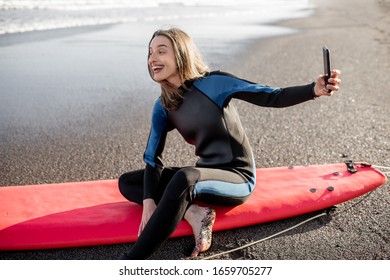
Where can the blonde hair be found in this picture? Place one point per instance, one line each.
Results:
(189, 62)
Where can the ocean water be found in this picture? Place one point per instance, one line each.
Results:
(55, 75)
(18, 16)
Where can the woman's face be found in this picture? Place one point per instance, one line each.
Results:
(162, 61)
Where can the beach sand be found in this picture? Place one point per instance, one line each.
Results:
(106, 141)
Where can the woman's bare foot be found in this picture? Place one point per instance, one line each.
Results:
(201, 220)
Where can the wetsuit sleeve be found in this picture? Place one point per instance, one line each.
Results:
(154, 149)
(222, 87)
(278, 98)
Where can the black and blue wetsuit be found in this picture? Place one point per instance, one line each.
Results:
(225, 172)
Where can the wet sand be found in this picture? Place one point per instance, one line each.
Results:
(106, 141)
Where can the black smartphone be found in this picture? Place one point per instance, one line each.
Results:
(326, 55)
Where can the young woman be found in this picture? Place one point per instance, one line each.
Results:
(196, 102)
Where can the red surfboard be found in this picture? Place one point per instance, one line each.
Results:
(95, 213)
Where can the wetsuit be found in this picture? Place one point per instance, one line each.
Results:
(225, 172)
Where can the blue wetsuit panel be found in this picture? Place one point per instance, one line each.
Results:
(221, 87)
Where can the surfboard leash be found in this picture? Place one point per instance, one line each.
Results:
(268, 237)
(328, 211)
(387, 168)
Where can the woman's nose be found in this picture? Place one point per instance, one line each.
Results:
(151, 58)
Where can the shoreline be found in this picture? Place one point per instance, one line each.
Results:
(354, 123)
(11, 39)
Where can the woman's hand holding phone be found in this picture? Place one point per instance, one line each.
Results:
(329, 82)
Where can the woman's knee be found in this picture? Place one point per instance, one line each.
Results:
(123, 182)
(130, 188)
(182, 183)
(188, 175)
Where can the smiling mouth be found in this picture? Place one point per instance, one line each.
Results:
(157, 69)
